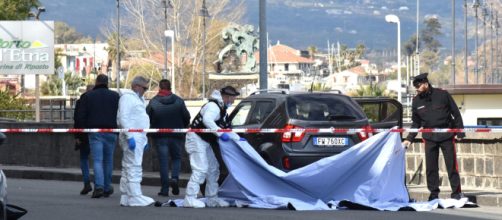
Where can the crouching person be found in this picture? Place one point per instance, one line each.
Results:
(213, 115)
(132, 114)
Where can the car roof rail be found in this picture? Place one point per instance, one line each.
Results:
(336, 91)
(282, 91)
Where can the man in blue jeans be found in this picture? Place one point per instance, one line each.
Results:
(82, 145)
(167, 110)
(99, 110)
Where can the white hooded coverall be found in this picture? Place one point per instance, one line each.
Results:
(202, 159)
(132, 114)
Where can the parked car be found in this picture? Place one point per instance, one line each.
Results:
(7, 211)
(3, 188)
(291, 150)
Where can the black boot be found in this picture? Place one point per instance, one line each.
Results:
(87, 188)
(98, 193)
(432, 197)
(109, 192)
(175, 188)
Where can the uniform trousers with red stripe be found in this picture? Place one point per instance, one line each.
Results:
(432, 165)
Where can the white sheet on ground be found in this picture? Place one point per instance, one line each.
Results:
(370, 174)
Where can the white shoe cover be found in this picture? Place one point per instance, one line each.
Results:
(136, 200)
(192, 202)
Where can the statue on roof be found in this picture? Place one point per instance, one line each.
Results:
(238, 54)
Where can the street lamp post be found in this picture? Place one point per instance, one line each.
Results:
(170, 34)
(166, 5)
(391, 18)
(118, 45)
(204, 14)
(466, 68)
(37, 76)
(453, 42)
(475, 5)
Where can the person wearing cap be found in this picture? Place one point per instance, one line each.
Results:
(132, 114)
(213, 115)
(435, 108)
(98, 109)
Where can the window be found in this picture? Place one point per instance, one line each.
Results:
(242, 114)
(490, 121)
(322, 108)
(261, 110)
(286, 67)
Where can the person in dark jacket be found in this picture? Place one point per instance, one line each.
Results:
(167, 110)
(99, 110)
(435, 108)
(82, 144)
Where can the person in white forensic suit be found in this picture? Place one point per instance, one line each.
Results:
(213, 115)
(132, 114)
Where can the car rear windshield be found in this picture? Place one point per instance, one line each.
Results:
(322, 107)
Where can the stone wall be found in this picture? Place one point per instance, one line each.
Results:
(479, 156)
(57, 149)
(479, 162)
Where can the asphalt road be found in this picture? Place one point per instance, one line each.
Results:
(61, 200)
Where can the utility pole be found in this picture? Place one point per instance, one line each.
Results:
(263, 45)
(476, 5)
(497, 26)
(491, 44)
(417, 61)
(205, 14)
(485, 62)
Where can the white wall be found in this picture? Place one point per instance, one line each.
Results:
(477, 106)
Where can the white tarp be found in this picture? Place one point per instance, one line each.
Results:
(369, 175)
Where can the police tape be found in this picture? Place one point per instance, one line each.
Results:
(251, 130)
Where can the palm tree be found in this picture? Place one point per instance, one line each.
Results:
(112, 51)
(312, 51)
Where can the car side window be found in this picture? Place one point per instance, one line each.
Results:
(372, 111)
(242, 114)
(261, 110)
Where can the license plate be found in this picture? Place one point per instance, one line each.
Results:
(330, 141)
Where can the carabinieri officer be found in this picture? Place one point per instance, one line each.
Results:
(435, 108)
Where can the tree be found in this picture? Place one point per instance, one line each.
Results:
(360, 50)
(312, 51)
(65, 34)
(54, 85)
(411, 45)
(429, 34)
(144, 20)
(113, 52)
(9, 101)
(17, 9)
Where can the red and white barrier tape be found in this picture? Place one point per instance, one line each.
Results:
(249, 130)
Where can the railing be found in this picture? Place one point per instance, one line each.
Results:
(51, 110)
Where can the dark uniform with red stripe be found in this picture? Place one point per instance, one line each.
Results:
(435, 108)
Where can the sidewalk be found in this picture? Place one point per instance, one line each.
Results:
(491, 198)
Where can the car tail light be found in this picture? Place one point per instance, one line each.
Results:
(366, 133)
(286, 163)
(288, 137)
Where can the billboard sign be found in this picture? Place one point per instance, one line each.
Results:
(26, 47)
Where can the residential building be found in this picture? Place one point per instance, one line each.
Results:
(286, 65)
